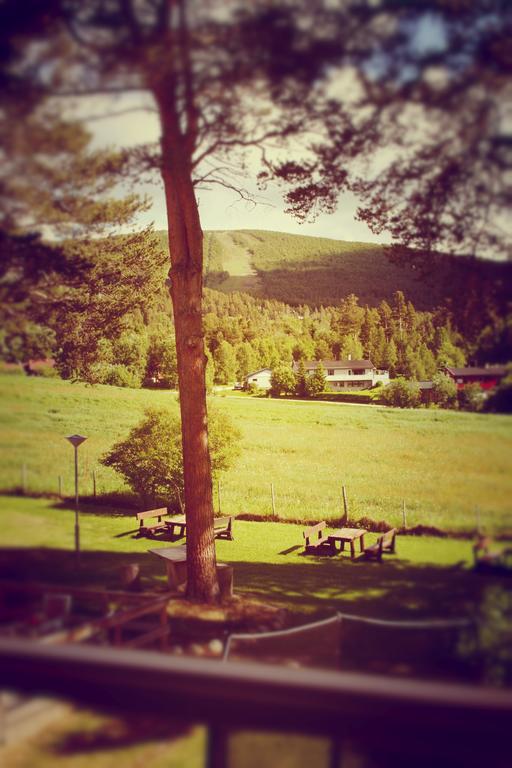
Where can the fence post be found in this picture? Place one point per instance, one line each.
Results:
(94, 483)
(23, 479)
(273, 500)
(218, 495)
(60, 486)
(345, 503)
(404, 514)
(477, 515)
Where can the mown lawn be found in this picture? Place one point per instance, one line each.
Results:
(449, 467)
(427, 577)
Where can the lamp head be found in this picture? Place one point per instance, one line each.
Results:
(76, 440)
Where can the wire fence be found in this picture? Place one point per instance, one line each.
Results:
(267, 500)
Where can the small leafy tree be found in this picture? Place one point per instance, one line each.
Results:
(150, 458)
(315, 383)
(300, 379)
(402, 393)
(282, 381)
(444, 391)
(471, 397)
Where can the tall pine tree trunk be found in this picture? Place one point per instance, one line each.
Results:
(186, 277)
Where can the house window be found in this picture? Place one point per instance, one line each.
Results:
(330, 372)
(359, 371)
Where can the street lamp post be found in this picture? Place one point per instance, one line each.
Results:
(75, 441)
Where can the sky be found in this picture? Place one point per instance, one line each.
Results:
(219, 208)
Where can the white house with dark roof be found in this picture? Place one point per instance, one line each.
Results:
(260, 378)
(347, 374)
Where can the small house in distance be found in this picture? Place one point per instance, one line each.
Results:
(260, 378)
(488, 377)
(347, 374)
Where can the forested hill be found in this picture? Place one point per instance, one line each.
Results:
(298, 270)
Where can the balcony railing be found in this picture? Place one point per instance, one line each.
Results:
(407, 722)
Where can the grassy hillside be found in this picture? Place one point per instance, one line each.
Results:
(444, 464)
(311, 270)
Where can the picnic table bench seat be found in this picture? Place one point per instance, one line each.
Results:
(315, 540)
(384, 544)
(148, 528)
(222, 527)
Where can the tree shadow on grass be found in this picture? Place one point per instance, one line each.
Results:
(57, 566)
(393, 589)
(121, 506)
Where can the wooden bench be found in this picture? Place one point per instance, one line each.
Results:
(223, 527)
(315, 540)
(384, 544)
(146, 529)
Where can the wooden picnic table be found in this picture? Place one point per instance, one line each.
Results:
(175, 563)
(176, 566)
(347, 536)
(174, 523)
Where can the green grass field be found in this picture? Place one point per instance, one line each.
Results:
(268, 560)
(445, 465)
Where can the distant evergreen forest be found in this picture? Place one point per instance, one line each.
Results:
(297, 270)
(96, 338)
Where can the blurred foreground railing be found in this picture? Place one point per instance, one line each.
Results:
(390, 721)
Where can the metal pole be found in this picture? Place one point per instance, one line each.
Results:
(77, 524)
(345, 503)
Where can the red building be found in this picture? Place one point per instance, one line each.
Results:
(488, 377)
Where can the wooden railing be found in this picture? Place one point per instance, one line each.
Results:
(411, 723)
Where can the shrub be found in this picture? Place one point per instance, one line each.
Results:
(122, 376)
(471, 397)
(282, 381)
(150, 458)
(444, 391)
(500, 401)
(253, 388)
(402, 393)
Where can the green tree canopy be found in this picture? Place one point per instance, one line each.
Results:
(150, 458)
(282, 381)
(315, 382)
(402, 393)
(444, 391)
